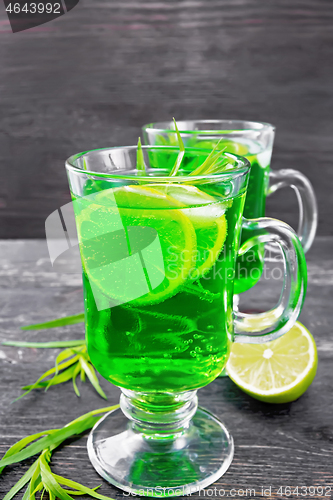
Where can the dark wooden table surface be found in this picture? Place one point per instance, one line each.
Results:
(276, 445)
(94, 76)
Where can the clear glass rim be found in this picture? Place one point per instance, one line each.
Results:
(243, 165)
(165, 127)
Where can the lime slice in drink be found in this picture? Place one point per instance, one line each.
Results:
(275, 372)
(208, 218)
(136, 244)
(210, 241)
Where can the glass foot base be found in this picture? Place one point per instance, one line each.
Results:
(160, 466)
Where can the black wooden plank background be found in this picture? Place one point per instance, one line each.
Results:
(275, 445)
(92, 77)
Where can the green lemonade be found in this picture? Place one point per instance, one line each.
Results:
(178, 241)
(249, 267)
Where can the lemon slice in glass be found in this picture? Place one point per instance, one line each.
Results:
(136, 244)
(207, 215)
(275, 372)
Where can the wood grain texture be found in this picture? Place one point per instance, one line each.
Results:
(276, 445)
(92, 77)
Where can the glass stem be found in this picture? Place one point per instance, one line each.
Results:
(159, 415)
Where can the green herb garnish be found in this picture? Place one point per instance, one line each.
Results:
(46, 345)
(207, 166)
(140, 162)
(39, 477)
(69, 364)
(67, 320)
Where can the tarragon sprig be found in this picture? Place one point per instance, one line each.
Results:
(140, 161)
(39, 476)
(209, 166)
(72, 362)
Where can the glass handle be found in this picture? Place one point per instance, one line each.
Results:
(269, 325)
(308, 210)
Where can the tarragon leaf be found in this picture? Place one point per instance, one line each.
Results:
(75, 374)
(56, 380)
(84, 490)
(140, 162)
(90, 372)
(78, 492)
(22, 443)
(48, 373)
(22, 482)
(67, 353)
(35, 483)
(211, 159)
(26, 494)
(67, 320)
(38, 488)
(46, 345)
(50, 482)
